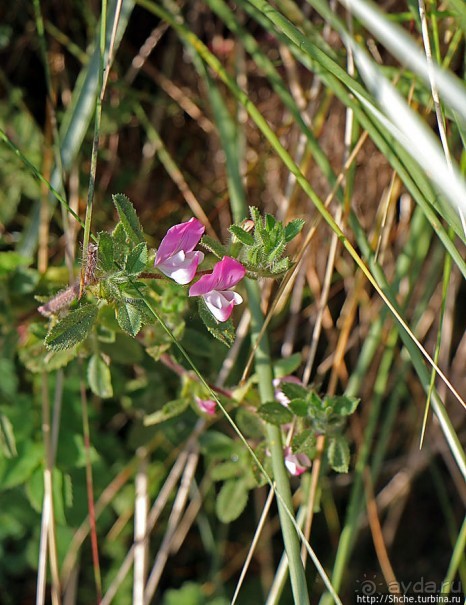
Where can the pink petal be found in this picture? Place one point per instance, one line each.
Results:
(226, 274)
(296, 464)
(182, 237)
(221, 304)
(207, 406)
(181, 267)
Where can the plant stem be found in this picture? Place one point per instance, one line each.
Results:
(90, 494)
(265, 375)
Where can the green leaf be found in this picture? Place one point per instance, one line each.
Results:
(98, 375)
(231, 500)
(36, 358)
(293, 390)
(299, 407)
(190, 594)
(226, 470)
(243, 236)
(315, 403)
(338, 453)
(129, 317)
(9, 261)
(17, 470)
(287, 365)
(270, 222)
(255, 216)
(72, 329)
(217, 445)
(105, 251)
(124, 350)
(342, 405)
(7, 438)
(169, 410)
(8, 379)
(249, 424)
(137, 259)
(293, 228)
(275, 413)
(214, 246)
(304, 443)
(120, 244)
(223, 331)
(34, 489)
(129, 218)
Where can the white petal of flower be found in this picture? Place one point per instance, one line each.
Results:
(221, 303)
(181, 267)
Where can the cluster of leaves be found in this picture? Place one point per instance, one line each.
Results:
(259, 243)
(122, 256)
(314, 416)
(264, 241)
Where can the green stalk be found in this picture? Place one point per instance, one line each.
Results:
(265, 376)
(95, 143)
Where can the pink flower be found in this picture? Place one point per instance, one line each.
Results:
(296, 464)
(279, 394)
(215, 288)
(176, 257)
(207, 406)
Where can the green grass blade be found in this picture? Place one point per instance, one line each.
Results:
(77, 119)
(398, 42)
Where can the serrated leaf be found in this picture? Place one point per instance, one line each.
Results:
(214, 246)
(105, 251)
(223, 331)
(231, 500)
(129, 317)
(275, 413)
(241, 235)
(120, 244)
(99, 378)
(338, 454)
(169, 410)
(299, 407)
(304, 443)
(128, 218)
(293, 228)
(255, 215)
(315, 402)
(342, 405)
(293, 390)
(72, 329)
(280, 267)
(137, 259)
(270, 222)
